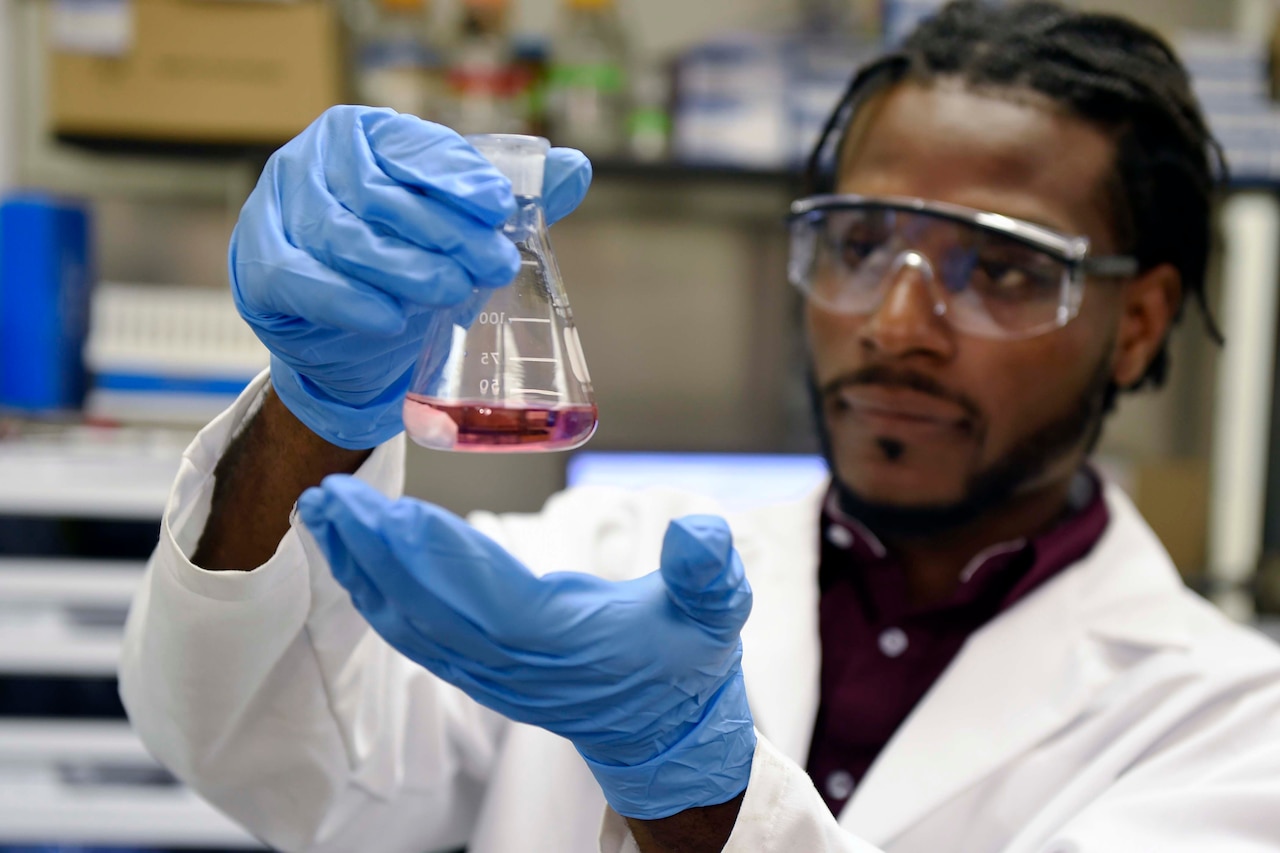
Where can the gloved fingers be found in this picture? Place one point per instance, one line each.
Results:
(342, 241)
(356, 365)
(345, 515)
(467, 572)
(449, 636)
(397, 549)
(367, 598)
(348, 533)
(334, 164)
(438, 163)
(565, 184)
(306, 292)
(392, 625)
(345, 528)
(511, 701)
(704, 575)
(382, 205)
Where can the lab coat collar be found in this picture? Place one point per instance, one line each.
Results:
(1025, 675)
(1019, 679)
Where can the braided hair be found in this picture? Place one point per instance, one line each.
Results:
(1104, 69)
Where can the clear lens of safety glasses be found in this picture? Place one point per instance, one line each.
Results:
(990, 275)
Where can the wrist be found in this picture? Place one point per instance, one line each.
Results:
(709, 765)
(349, 425)
(300, 447)
(700, 830)
(259, 477)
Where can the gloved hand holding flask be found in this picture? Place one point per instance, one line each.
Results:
(358, 233)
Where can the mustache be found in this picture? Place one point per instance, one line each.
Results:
(885, 376)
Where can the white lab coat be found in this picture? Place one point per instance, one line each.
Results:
(1111, 710)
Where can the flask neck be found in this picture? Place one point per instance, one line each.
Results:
(528, 220)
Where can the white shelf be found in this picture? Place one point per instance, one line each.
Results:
(88, 473)
(45, 641)
(62, 617)
(39, 741)
(34, 811)
(83, 583)
(39, 805)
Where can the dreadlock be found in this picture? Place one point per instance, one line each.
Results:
(1102, 68)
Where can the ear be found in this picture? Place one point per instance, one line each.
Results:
(1148, 306)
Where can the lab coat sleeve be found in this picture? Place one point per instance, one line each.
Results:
(781, 813)
(266, 692)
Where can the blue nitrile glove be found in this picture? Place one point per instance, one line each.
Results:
(357, 230)
(643, 676)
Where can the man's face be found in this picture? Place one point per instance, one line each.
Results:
(919, 416)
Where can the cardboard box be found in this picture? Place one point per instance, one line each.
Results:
(201, 72)
(1173, 496)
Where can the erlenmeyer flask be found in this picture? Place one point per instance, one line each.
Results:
(505, 372)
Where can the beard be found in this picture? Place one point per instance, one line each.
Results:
(1017, 471)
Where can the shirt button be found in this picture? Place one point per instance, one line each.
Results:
(839, 536)
(893, 642)
(840, 785)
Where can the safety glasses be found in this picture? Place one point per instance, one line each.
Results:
(989, 275)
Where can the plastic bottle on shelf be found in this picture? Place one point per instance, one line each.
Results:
(649, 121)
(530, 64)
(482, 83)
(397, 64)
(587, 95)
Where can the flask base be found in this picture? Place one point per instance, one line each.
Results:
(478, 427)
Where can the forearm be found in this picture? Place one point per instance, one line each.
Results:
(264, 470)
(704, 830)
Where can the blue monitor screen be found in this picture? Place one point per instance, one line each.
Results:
(737, 481)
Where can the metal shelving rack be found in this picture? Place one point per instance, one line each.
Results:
(85, 781)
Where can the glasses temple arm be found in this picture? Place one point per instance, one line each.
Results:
(1110, 266)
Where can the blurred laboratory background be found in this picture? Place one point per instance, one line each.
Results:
(131, 132)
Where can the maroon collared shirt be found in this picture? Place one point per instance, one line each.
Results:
(881, 654)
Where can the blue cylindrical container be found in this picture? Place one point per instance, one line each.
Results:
(46, 274)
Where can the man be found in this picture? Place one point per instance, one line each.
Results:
(971, 642)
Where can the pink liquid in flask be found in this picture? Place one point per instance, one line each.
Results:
(481, 427)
